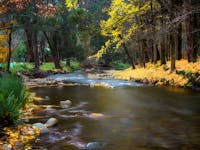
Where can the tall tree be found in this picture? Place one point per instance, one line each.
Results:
(188, 29)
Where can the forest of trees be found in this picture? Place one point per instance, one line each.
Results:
(153, 30)
(139, 31)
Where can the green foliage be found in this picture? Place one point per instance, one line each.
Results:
(78, 15)
(119, 65)
(123, 23)
(21, 67)
(79, 53)
(75, 65)
(9, 110)
(19, 53)
(188, 74)
(71, 4)
(47, 66)
(13, 97)
(50, 66)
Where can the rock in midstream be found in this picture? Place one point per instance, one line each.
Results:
(44, 127)
(41, 127)
(65, 104)
(95, 145)
(51, 122)
(96, 115)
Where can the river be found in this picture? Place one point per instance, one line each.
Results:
(127, 116)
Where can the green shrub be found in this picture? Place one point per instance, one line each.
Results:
(74, 64)
(13, 97)
(9, 110)
(19, 53)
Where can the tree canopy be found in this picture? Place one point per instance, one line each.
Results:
(142, 30)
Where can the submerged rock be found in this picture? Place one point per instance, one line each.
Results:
(77, 143)
(95, 145)
(47, 98)
(49, 109)
(42, 127)
(51, 122)
(96, 115)
(65, 104)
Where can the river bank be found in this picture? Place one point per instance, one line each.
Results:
(186, 75)
(22, 134)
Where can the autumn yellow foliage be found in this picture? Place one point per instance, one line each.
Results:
(4, 36)
(157, 75)
(3, 53)
(3, 48)
(20, 136)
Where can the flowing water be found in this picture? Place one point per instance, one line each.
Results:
(129, 116)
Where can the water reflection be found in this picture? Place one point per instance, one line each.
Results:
(136, 118)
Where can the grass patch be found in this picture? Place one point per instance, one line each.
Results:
(21, 67)
(50, 66)
(75, 65)
(120, 65)
(46, 66)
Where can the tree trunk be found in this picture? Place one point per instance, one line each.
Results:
(172, 39)
(178, 40)
(172, 53)
(29, 45)
(151, 48)
(155, 53)
(144, 52)
(35, 38)
(36, 53)
(130, 59)
(55, 52)
(162, 51)
(9, 52)
(196, 35)
(53, 44)
(162, 44)
(188, 30)
(154, 50)
(42, 46)
(167, 46)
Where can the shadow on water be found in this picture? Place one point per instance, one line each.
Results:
(139, 117)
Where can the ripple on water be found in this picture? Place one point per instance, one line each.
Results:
(82, 79)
